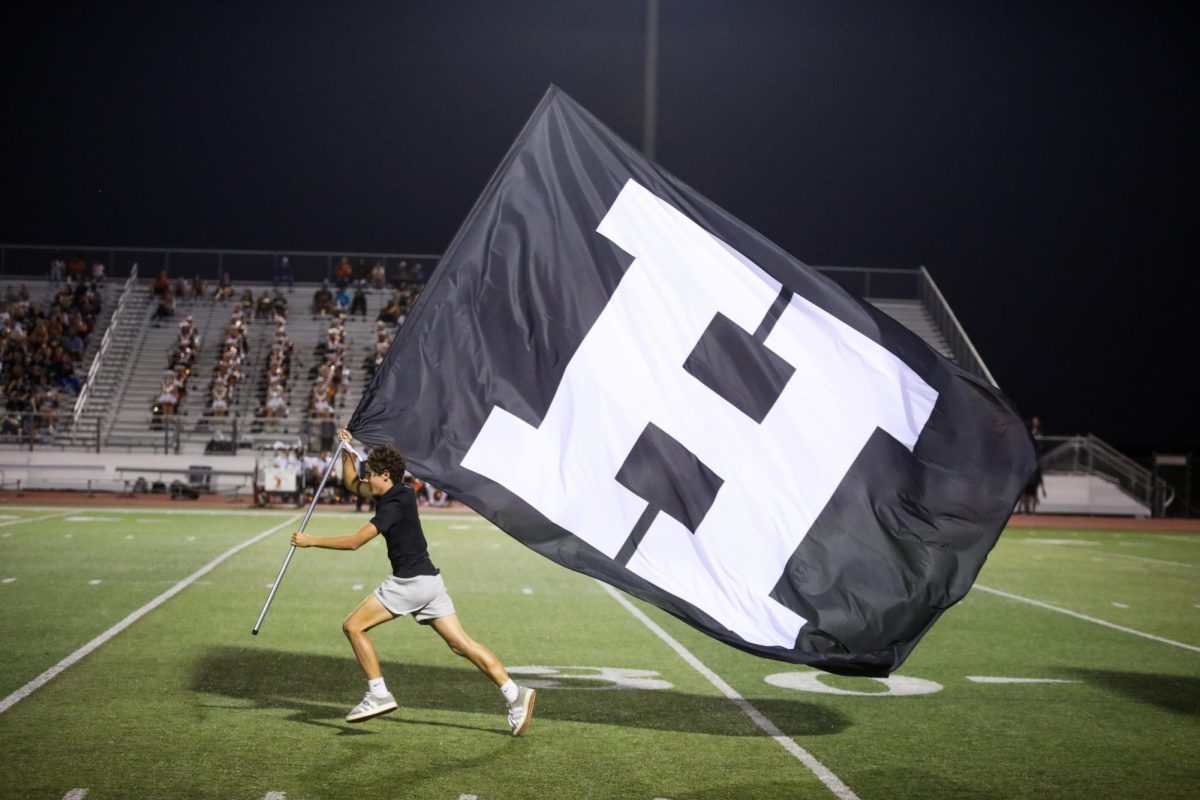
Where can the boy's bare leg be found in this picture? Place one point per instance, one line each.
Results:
(450, 629)
(370, 612)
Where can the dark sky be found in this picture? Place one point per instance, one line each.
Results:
(1039, 158)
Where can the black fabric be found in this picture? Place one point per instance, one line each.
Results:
(396, 518)
(735, 365)
(519, 288)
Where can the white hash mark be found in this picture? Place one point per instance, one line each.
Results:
(992, 679)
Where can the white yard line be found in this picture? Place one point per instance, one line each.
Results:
(34, 519)
(50, 674)
(1151, 560)
(1086, 618)
(831, 781)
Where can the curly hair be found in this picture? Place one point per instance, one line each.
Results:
(386, 458)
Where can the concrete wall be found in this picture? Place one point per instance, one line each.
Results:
(1087, 494)
(111, 471)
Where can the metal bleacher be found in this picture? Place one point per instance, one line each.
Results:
(913, 315)
(118, 414)
(134, 384)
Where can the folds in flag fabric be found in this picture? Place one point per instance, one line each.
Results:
(639, 387)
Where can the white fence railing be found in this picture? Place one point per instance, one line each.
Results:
(86, 391)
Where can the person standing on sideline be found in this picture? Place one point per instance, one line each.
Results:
(415, 586)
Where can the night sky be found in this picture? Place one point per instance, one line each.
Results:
(1038, 158)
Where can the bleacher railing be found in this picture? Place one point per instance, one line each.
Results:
(1090, 455)
(30, 260)
(965, 354)
(86, 392)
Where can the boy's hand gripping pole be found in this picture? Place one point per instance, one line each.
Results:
(303, 524)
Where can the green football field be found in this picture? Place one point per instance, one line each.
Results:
(127, 670)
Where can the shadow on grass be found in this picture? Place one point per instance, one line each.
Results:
(1179, 694)
(274, 679)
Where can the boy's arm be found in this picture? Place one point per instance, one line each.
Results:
(351, 541)
(350, 479)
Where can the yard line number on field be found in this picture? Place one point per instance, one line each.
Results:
(48, 675)
(1086, 618)
(826, 776)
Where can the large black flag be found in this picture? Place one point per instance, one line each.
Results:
(639, 387)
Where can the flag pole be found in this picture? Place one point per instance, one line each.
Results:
(303, 524)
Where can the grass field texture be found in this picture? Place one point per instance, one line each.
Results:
(1017, 692)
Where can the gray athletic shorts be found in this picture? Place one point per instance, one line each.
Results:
(424, 597)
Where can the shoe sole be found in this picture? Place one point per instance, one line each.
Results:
(528, 713)
(375, 713)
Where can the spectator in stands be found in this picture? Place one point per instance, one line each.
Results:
(167, 396)
(390, 313)
(343, 273)
(322, 303)
(187, 332)
(72, 342)
(58, 270)
(341, 301)
(166, 307)
(62, 369)
(161, 284)
(358, 304)
(262, 307)
(179, 288)
(98, 272)
(220, 397)
(199, 289)
(378, 279)
(224, 290)
(76, 269)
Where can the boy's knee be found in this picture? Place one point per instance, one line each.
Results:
(349, 628)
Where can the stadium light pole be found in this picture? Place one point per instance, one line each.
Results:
(650, 92)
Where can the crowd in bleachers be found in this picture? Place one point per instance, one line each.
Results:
(278, 371)
(41, 349)
(329, 373)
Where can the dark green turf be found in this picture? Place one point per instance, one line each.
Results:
(185, 703)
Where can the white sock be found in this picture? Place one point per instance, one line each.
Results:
(378, 687)
(509, 690)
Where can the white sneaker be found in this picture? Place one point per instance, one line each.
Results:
(371, 706)
(520, 712)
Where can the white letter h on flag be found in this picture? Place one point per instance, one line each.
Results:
(753, 456)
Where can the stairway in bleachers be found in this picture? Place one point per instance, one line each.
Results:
(913, 315)
(137, 384)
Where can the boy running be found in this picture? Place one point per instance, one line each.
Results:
(415, 587)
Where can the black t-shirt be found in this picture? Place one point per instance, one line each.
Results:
(396, 518)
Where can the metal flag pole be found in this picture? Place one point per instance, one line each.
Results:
(303, 524)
